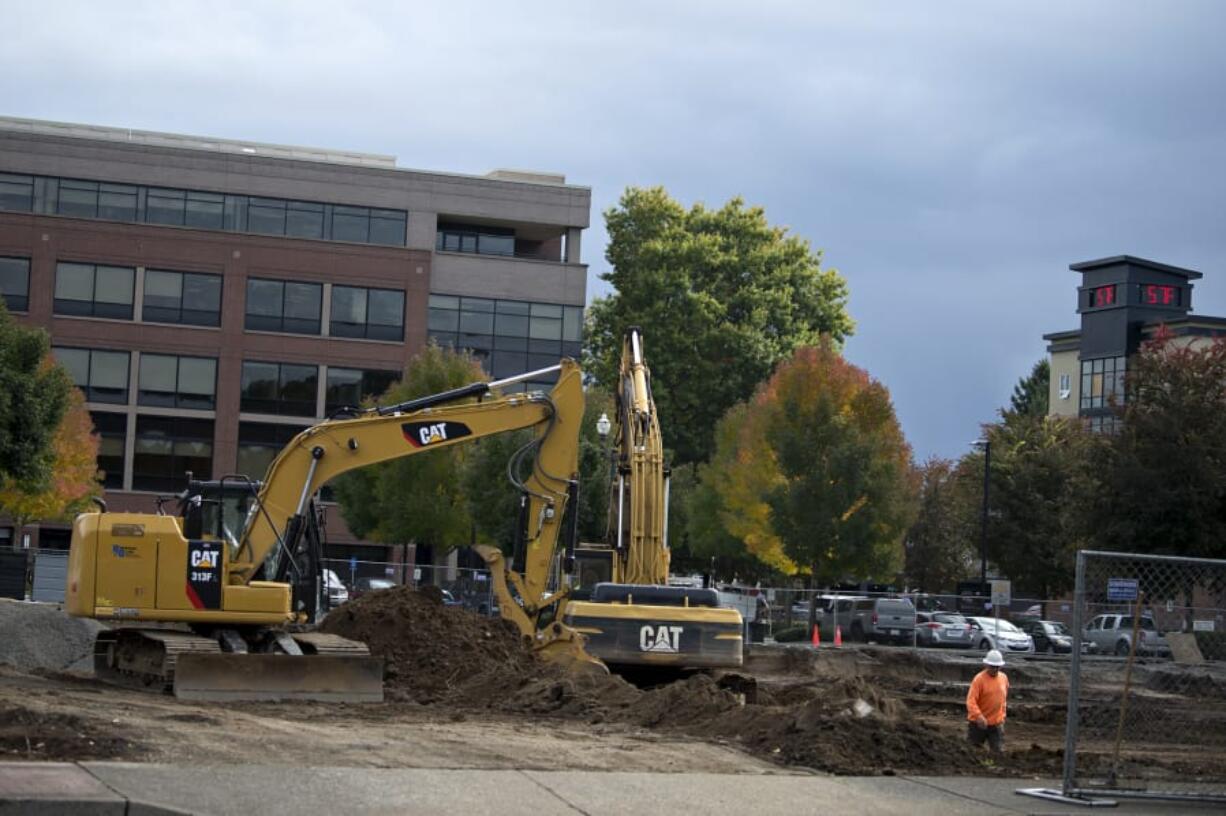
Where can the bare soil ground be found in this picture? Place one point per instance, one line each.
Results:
(464, 693)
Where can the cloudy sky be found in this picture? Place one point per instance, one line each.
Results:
(950, 159)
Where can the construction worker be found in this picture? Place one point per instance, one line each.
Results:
(985, 704)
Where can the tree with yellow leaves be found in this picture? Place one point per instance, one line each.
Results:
(74, 479)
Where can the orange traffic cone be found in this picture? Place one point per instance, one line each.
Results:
(817, 636)
(838, 635)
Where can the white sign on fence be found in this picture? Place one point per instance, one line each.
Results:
(1002, 593)
(1202, 626)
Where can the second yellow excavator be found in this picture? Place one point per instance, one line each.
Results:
(633, 618)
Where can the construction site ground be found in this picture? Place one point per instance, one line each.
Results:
(463, 695)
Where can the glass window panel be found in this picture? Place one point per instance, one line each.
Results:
(348, 304)
(546, 310)
(298, 388)
(443, 339)
(572, 323)
(163, 290)
(197, 375)
(159, 372)
(16, 192)
(164, 206)
(451, 242)
(443, 320)
(15, 276)
(468, 243)
(444, 302)
(205, 210)
(387, 228)
(572, 350)
(304, 220)
(476, 342)
(74, 282)
(537, 346)
(350, 224)
(505, 343)
(511, 325)
(264, 297)
(76, 362)
(302, 300)
(254, 460)
(478, 305)
(266, 215)
(386, 307)
(496, 244)
(78, 199)
(117, 202)
(259, 383)
(113, 284)
(508, 363)
(476, 322)
(344, 388)
(202, 291)
(545, 328)
(514, 307)
(109, 369)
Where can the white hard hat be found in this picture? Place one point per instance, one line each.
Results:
(994, 658)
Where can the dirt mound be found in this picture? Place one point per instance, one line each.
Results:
(432, 652)
(36, 636)
(26, 734)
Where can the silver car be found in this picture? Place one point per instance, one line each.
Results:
(993, 633)
(942, 629)
(1112, 634)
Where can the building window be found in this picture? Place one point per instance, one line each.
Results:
(376, 314)
(279, 388)
(508, 336)
(167, 448)
(94, 290)
(15, 283)
(102, 375)
(177, 382)
(16, 192)
(259, 443)
(112, 430)
(283, 306)
(347, 387)
(480, 239)
(92, 199)
(1102, 383)
(182, 297)
(185, 208)
(1066, 388)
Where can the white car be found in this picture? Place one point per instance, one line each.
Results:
(338, 593)
(993, 633)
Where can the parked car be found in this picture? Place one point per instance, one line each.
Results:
(883, 619)
(835, 610)
(1052, 637)
(942, 629)
(363, 585)
(993, 633)
(1112, 634)
(449, 599)
(338, 593)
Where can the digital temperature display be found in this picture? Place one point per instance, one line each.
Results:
(1152, 294)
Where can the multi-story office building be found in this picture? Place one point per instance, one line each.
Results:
(214, 297)
(1122, 302)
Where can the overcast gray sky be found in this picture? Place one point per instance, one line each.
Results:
(950, 159)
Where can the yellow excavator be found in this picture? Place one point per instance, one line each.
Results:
(212, 604)
(633, 618)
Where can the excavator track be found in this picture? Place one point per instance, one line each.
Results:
(329, 669)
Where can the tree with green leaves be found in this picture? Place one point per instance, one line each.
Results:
(1164, 473)
(1031, 395)
(34, 394)
(723, 295)
(814, 470)
(1041, 479)
(416, 499)
(941, 547)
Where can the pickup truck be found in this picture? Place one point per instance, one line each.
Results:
(1112, 634)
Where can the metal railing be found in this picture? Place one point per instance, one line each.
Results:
(1150, 724)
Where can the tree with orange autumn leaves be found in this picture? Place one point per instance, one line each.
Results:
(74, 478)
(810, 475)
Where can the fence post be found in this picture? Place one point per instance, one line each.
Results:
(1074, 680)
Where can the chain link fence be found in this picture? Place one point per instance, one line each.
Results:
(346, 579)
(1150, 722)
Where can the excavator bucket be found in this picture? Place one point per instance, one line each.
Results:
(273, 677)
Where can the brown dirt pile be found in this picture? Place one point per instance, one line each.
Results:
(26, 734)
(842, 724)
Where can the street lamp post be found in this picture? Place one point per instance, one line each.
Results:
(986, 444)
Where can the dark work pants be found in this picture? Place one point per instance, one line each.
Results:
(994, 735)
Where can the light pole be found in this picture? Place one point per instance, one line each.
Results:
(986, 444)
(603, 425)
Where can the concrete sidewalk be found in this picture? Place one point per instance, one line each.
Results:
(133, 789)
